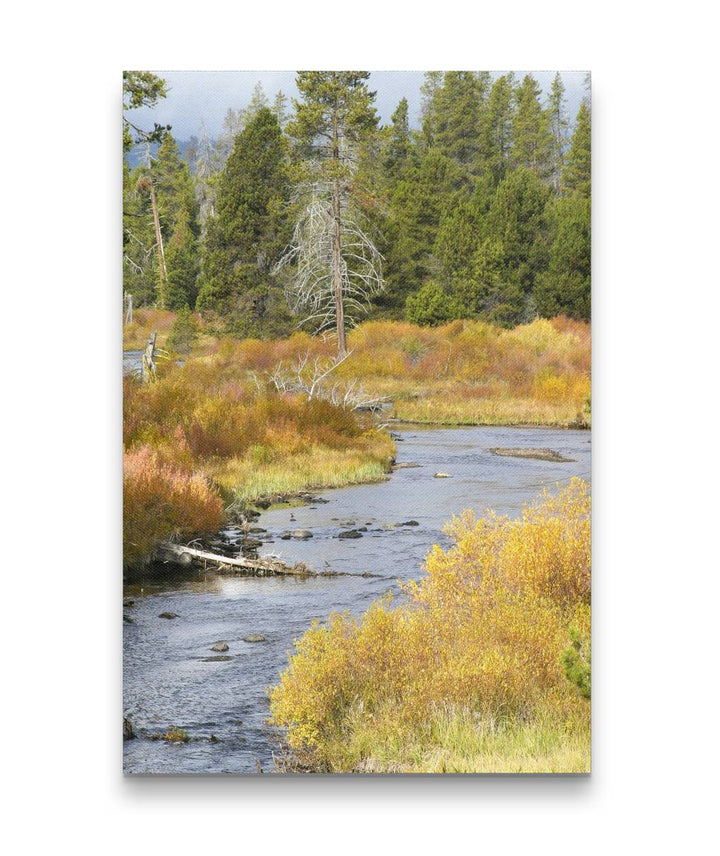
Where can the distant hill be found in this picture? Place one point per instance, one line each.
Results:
(187, 148)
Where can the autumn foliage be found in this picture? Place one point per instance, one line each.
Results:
(483, 635)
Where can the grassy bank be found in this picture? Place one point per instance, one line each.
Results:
(204, 438)
(485, 668)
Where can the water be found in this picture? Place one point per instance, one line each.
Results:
(167, 680)
(132, 362)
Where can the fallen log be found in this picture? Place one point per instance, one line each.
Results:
(231, 564)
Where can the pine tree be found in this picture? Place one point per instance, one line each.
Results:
(558, 128)
(337, 265)
(399, 146)
(417, 204)
(517, 222)
(245, 237)
(565, 287)
(454, 115)
(577, 173)
(498, 127)
(532, 139)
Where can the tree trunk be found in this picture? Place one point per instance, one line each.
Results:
(337, 279)
(337, 248)
(235, 564)
(161, 252)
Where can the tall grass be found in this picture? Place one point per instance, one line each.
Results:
(473, 659)
(204, 437)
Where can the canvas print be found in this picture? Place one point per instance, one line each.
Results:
(356, 413)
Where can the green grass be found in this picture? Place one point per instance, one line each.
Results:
(460, 741)
(317, 469)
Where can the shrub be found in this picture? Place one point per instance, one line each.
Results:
(432, 306)
(484, 631)
(160, 500)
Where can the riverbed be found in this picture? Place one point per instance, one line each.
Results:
(222, 704)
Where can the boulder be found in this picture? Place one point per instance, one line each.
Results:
(128, 733)
(350, 533)
(301, 534)
(254, 637)
(221, 647)
(409, 523)
(442, 476)
(168, 615)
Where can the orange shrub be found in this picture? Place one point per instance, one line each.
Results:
(161, 500)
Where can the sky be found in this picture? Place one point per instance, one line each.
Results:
(205, 96)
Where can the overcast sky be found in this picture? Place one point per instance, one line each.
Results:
(196, 96)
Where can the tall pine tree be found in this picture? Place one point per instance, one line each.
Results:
(246, 235)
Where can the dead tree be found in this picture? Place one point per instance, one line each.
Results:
(338, 269)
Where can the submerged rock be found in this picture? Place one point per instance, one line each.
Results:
(168, 615)
(219, 658)
(220, 646)
(350, 533)
(537, 454)
(254, 637)
(442, 476)
(409, 523)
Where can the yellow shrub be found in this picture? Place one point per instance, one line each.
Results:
(484, 631)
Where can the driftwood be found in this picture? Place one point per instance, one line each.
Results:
(231, 564)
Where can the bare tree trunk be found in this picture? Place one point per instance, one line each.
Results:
(161, 252)
(337, 279)
(148, 359)
(337, 249)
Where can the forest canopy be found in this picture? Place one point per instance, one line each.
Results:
(311, 214)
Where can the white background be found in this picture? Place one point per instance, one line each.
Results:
(655, 283)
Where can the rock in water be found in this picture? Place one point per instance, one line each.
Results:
(168, 615)
(537, 454)
(128, 732)
(351, 533)
(254, 637)
(409, 523)
(301, 534)
(442, 476)
(220, 646)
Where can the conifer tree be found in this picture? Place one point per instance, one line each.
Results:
(245, 237)
(532, 139)
(454, 116)
(576, 176)
(516, 221)
(498, 127)
(399, 146)
(558, 128)
(565, 286)
(337, 265)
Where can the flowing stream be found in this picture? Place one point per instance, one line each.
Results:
(168, 678)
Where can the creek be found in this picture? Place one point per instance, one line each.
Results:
(168, 678)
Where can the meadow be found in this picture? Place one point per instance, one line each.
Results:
(236, 423)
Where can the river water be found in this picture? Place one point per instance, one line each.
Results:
(168, 680)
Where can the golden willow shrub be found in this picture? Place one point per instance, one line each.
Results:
(162, 499)
(485, 630)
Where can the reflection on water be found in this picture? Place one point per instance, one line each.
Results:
(167, 680)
